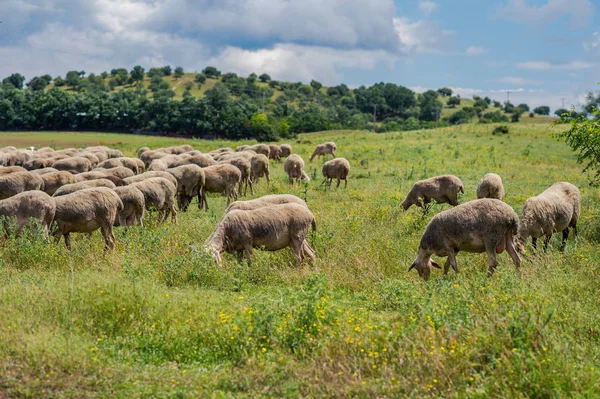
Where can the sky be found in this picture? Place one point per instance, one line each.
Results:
(543, 51)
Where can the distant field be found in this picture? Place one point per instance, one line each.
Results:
(159, 319)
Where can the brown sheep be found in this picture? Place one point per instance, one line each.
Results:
(133, 206)
(95, 175)
(294, 167)
(245, 167)
(11, 169)
(261, 149)
(86, 211)
(151, 174)
(324, 149)
(275, 152)
(18, 182)
(148, 156)
(17, 158)
(94, 160)
(159, 193)
(142, 150)
(443, 189)
(201, 160)
(120, 172)
(43, 171)
(190, 181)
(286, 150)
(221, 150)
(71, 188)
(490, 186)
(53, 181)
(337, 168)
(272, 228)
(260, 168)
(220, 179)
(241, 148)
(80, 164)
(38, 163)
(26, 206)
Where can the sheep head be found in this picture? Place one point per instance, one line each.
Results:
(423, 264)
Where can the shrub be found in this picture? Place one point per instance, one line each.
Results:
(502, 129)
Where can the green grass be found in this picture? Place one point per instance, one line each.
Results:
(159, 319)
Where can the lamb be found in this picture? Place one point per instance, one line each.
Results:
(443, 189)
(190, 180)
(26, 206)
(133, 205)
(149, 175)
(260, 168)
(80, 164)
(159, 193)
(294, 167)
(86, 211)
(15, 183)
(53, 181)
(245, 167)
(11, 169)
(272, 228)
(556, 209)
(275, 152)
(490, 186)
(220, 179)
(71, 188)
(286, 150)
(337, 168)
(483, 225)
(324, 149)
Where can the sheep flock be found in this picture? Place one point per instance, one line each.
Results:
(81, 190)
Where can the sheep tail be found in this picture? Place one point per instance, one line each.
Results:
(461, 189)
(314, 224)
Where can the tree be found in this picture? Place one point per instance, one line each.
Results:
(121, 76)
(211, 72)
(315, 85)
(264, 78)
(200, 79)
(497, 104)
(261, 128)
(39, 83)
(137, 73)
(167, 70)
(508, 108)
(453, 102)
(480, 103)
(445, 92)
(516, 116)
(252, 78)
(229, 77)
(59, 81)
(542, 110)
(72, 78)
(178, 72)
(523, 107)
(16, 80)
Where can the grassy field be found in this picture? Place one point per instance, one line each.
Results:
(159, 319)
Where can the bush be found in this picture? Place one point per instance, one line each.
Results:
(502, 129)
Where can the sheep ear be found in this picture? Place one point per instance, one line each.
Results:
(435, 265)
(412, 266)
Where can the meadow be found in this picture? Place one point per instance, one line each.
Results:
(158, 318)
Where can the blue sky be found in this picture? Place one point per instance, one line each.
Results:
(541, 50)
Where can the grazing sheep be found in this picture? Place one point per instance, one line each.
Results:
(120, 172)
(324, 149)
(260, 149)
(220, 179)
(337, 168)
(148, 156)
(142, 150)
(443, 189)
(245, 167)
(71, 188)
(15, 183)
(179, 149)
(149, 175)
(26, 206)
(294, 167)
(86, 211)
(17, 158)
(11, 169)
(94, 160)
(38, 163)
(266, 200)
(190, 180)
(241, 148)
(53, 181)
(80, 164)
(221, 150)
(490, 186)
(43, 171)
(259, 168)
(286, 150)
(275, 152)
(100, 155)
(133, 206)
(159, 193)
(44, 150)
(483, 225)
(201, 160)
(95, 175)
(136, 165)
(556, 209)
(272, 228)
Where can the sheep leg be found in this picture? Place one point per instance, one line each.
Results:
(67, 240)
(173, 214)
(512, 251)
(267, 174)
(490, 249)
(248, 250)
(251, 187)
(547, 241)
(534, 243)
(296, 247)
(240, 257)
(338, 183)
(346, 184)
(308, 251)
(565, 234)
(452, 261)
(108, 238)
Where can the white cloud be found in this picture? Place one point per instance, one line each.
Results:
(547, 66)
(593, 45)
(579, 11)
(520, 81)
(427, 7)
(475, 50)
(422, 36)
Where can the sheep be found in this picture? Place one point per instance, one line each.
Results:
(120, 172)
(179, 149)
(142, 150)
(190, 180)
(324, 149)
(86, 211)
(148, 156)
(43, 171)
(556, 209)
(80, 164)
(44, 150)
(95, 175)
(220, 151)
(443, 189)
(53, 181)
(294, 167)
(260, 149)
(9, 148)
(272, 228)
(133, 205)
(100, 155)
(241, 148)
(38, 163)
(259, 168)
(483, 225)
(11, 169)
(337, 168)
(159, 193)
(220, 179)
(93, 158)
(17, 158)
(18, 182)
(245, 167)
(26, 206)
(275, 152)
(286, 150)
(71, 188)
(149, 175)
(490, 186)
(201, 160)
(136, 165)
